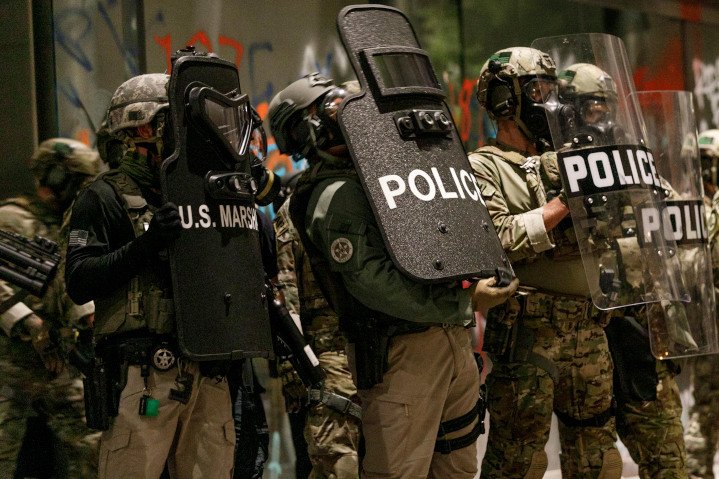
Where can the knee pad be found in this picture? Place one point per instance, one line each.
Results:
(612, 465)
(538, 466)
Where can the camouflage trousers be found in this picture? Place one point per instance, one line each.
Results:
(703, 426)
(522, 394)
(50, 410)
(652, 430)
(332, 437)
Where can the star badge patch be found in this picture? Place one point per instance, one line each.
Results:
(341, 250)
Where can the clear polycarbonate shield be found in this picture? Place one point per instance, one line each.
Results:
(409, 156)
(679, 329)
(614, 192)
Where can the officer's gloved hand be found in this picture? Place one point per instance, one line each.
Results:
(164, 228)
(485, 295)
(44, 344)
(551, 178)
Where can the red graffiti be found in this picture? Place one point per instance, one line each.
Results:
(230, 42)
(166, 43)
(465, 97)
(668, 75)
(201, 38)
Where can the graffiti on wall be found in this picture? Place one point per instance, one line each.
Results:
(706, 91)
(89, 37)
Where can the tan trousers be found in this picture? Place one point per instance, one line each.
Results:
(196, 439)
(432, 378)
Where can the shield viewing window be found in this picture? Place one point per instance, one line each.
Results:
(227, 118)
(402, 71)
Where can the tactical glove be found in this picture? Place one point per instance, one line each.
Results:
(164, 228)
(485, 295)
(552, 179)
(44, 344)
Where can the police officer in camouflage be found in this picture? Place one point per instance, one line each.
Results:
(333, 416)
(167, 409)
(419, 415)
(547, 346)
(41, 395)
(702, 430)
(649, 411)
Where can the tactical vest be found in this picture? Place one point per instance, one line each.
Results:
(563, 235)
(146, 301)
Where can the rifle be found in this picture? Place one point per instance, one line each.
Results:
(29, 264)
(290, 344)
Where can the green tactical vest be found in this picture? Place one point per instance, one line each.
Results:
(146, 301)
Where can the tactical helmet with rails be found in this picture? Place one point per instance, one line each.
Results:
(296, 129)
(63, 165)
(709, 150)
(513, 82)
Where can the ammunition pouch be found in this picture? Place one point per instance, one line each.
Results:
(371, 340)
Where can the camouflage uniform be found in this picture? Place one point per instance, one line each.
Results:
(33, 398)
(652, 430)
(556, 357)
(332, 437)
(702, 431)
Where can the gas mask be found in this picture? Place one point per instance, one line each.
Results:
(542, 112)
(318, 127)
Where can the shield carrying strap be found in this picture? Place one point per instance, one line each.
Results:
(523, 341)
(335, 402)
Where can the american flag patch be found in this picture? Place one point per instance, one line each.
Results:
(77, 238)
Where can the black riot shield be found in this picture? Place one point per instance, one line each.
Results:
(409, 156)
(217, 274)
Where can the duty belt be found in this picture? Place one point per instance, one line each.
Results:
(335, 402)
(158, 351)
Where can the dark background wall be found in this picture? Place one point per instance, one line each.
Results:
(63, 59)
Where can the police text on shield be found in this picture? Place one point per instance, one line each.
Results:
(425, 186)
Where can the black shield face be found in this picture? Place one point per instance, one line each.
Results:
(217, 274)
(409, 155)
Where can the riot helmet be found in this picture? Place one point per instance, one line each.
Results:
(709, 150)
(141, 100)
(303, 116)
(520, 83)
(64, 165)
(593, 93)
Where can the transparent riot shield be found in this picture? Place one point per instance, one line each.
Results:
(679, 329)
(614, 191)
